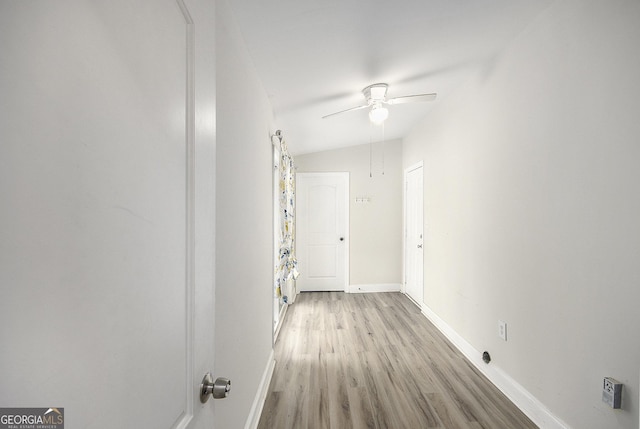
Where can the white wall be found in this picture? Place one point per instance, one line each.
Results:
(244, 225)
(376, 227)
(532, 209)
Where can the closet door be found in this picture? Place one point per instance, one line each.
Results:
(322, 231)
(414, 240)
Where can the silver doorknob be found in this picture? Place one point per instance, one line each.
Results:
(218, 389)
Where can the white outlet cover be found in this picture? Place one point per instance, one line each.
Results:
(612, 393)
(502, 329)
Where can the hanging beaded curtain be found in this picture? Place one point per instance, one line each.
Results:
(287, 264)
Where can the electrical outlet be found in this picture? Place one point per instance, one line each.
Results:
(612, 392)
(502, 329)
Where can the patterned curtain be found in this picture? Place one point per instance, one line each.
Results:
(286, 269)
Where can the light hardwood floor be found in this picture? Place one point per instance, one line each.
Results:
(374, 361)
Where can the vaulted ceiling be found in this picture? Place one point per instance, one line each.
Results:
(315, 57)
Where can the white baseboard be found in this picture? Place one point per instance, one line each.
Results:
(283, 311)
(376, 287)
(261, 395)
(524, 400)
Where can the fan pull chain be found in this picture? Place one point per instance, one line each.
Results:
(370, 155)
(384, 146)
(370, 150)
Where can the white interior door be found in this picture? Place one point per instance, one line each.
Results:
(414, 240)
(322, 231)
(100, 267)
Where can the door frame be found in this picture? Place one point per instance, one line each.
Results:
(418, 165)
(346, 177)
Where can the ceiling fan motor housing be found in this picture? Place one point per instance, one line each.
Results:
(375, 93)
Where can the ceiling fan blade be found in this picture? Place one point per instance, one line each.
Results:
(344, 111)
(412, 98)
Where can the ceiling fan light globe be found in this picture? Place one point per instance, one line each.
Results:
(378, 114)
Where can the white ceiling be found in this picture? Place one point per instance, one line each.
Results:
(314, 57)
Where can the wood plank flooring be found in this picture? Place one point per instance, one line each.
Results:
(374, 361)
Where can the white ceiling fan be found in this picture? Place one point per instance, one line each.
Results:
(376, 96)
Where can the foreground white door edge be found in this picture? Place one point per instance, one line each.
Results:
(322, 231)
(413, 233)
(202, 87)
(107, 161)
